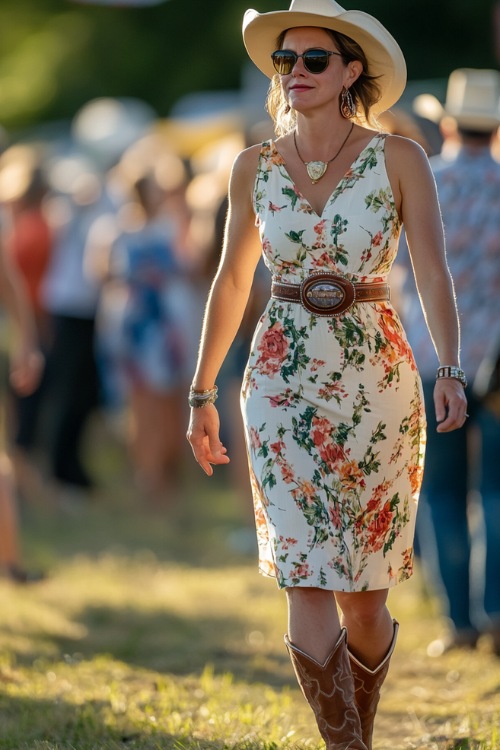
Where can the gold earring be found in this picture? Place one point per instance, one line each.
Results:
(347, 105)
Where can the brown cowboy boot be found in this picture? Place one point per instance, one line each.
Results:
(367, 684)
(329, 690)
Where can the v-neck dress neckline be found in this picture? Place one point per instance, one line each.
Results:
(339, 184)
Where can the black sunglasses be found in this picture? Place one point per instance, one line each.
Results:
(315, 60)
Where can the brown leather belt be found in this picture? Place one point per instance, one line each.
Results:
(327, 294)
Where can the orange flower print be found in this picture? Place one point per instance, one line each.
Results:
(287, 473)
(332, 455)
(379, 527)
(351, 476)
(321, 430)
(305, 492)
(287, 543)
(319, 231)
(277, 447)
(393, 333)
(415, 472)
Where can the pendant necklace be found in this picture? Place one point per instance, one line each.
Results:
(316, 169)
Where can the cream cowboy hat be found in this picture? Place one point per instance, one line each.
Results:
(472, 100)
(261, 30)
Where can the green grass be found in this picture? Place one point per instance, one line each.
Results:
(153, 632)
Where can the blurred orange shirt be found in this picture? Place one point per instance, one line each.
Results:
(29, 244)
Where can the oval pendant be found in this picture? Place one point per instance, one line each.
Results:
(316, 169)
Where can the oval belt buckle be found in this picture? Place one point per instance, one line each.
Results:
(327, 294)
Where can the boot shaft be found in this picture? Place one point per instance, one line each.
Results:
(367, 685)
(329, 690)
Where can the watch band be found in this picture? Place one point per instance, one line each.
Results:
(450, 371)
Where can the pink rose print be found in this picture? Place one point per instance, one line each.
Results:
(273, 350)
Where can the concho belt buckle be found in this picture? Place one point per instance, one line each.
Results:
(327, 294)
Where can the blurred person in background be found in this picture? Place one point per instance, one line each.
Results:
(462, 470)
(71, 296)
(331, 396)
(100, 132)
(26, 365)
(28, 243)
(147, 309)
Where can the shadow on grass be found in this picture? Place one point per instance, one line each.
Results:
(205, 526)
(166, 643)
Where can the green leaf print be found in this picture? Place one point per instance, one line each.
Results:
(349, 332)
(268, 478)
(369, 464)
(376, 199)
(299, 361)
(339, 226)
(361, 404)
(378, 434)
(291, 194)
(369, 162)
(295, 236)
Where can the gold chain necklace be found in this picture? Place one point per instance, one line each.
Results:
(316, 169)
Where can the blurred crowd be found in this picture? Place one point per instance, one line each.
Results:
(116, 226)
(116, 230)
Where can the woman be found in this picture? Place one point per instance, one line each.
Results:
(331, 397)
(26, 366)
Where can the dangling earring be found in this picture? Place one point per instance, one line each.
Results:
(347, 106)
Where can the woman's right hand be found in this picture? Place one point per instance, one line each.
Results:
(203, 436)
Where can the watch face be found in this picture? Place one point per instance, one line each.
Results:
(452, 372)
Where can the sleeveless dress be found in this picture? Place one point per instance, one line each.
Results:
(332, 406)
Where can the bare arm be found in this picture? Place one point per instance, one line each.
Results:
(415, 191)
(226, 305)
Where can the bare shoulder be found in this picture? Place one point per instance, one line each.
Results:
(407, 166)
(405, 153)
(244, 171)
(246, 161)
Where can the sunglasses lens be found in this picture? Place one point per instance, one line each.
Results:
(283, 61)
(316, 60)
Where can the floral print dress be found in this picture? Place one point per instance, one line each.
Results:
(333, 412)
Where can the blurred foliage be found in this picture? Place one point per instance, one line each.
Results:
(58, 54)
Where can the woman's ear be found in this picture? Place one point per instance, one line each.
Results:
(352, 72)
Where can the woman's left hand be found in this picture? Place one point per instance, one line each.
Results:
(450, 404)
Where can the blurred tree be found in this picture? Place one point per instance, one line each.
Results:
(58, 54)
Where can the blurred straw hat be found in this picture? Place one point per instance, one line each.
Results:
(472, 100)
(386, 61)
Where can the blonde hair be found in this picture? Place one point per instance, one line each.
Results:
(365, 91)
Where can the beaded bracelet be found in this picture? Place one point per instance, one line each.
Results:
(199, 399)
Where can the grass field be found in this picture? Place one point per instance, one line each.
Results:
(155, 631)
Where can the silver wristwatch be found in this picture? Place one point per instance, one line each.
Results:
(450, 371)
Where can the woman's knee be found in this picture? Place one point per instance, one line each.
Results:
(364, 607)
(308, 597)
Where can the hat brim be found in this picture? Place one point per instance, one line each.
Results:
(385, 59)
(428, 106)
(480, 123)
